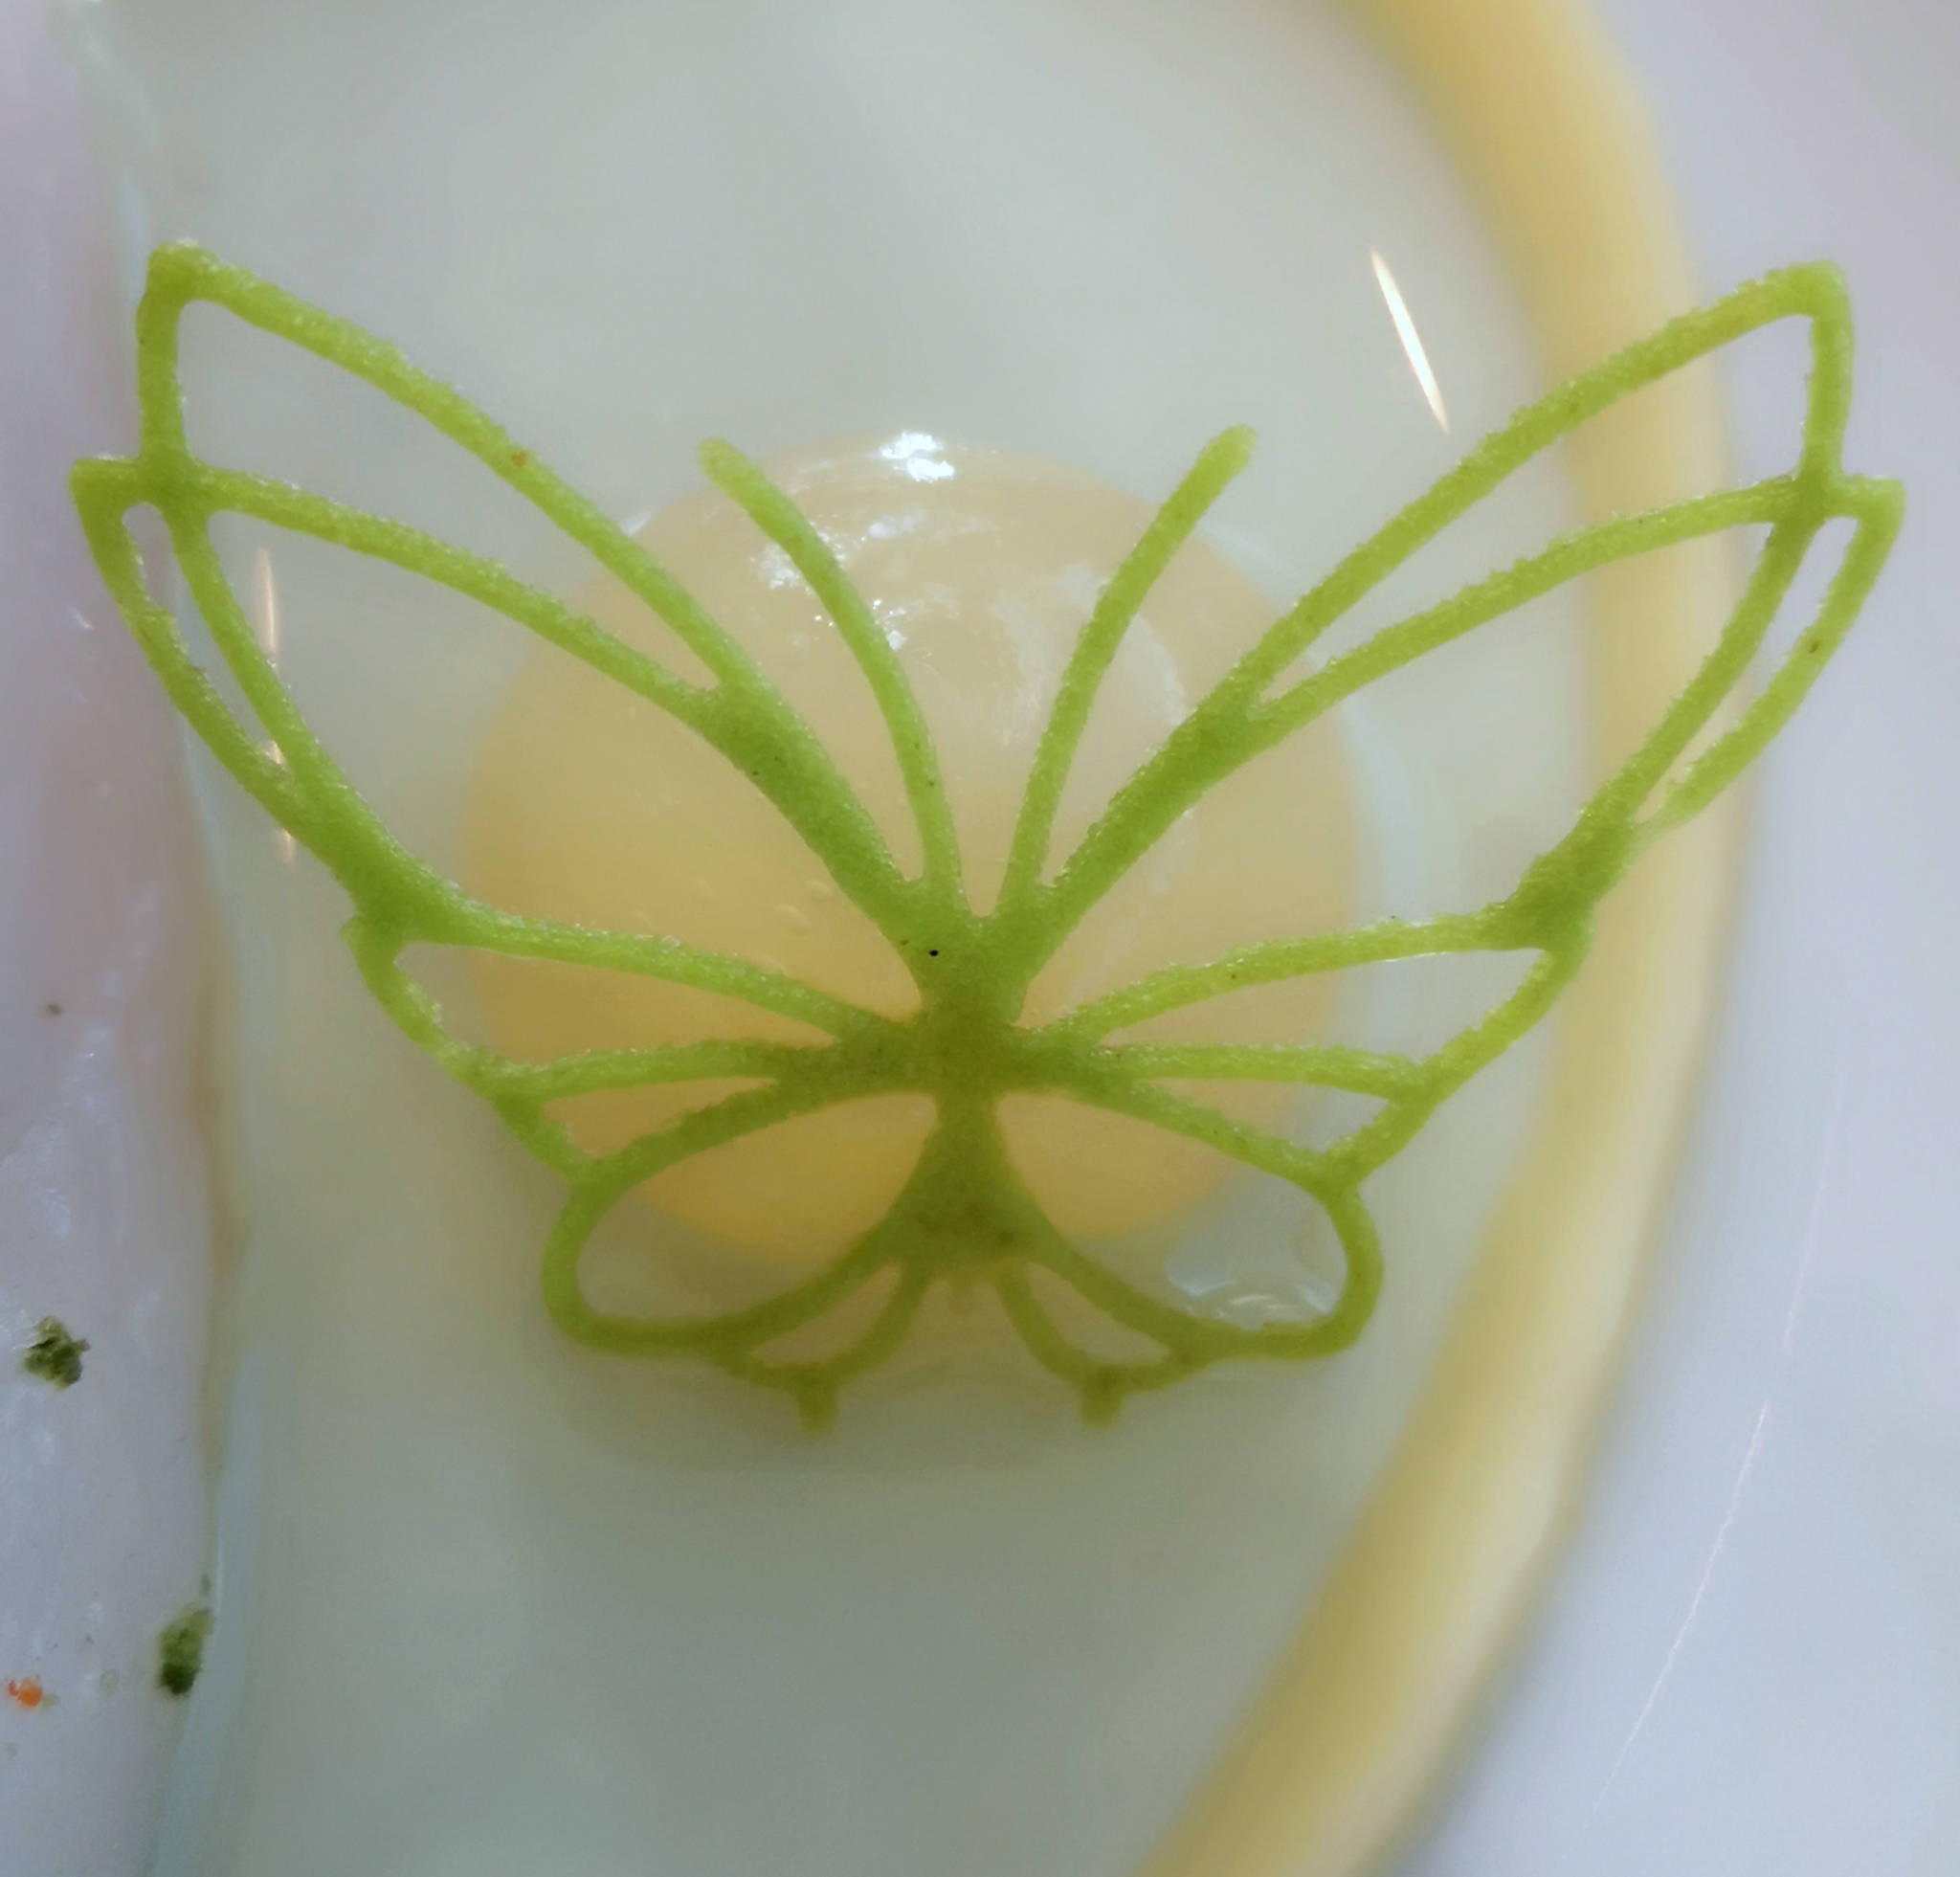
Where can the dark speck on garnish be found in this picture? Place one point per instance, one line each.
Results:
(180, 1650)
(55, 1355)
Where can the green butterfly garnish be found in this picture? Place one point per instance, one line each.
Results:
(964, 1215)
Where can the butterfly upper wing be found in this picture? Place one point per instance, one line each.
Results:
(1243, 717)
(295, 779)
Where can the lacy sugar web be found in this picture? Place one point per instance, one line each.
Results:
(963, 1216)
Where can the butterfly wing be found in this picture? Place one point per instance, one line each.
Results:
(1547, 917)
(398, 900)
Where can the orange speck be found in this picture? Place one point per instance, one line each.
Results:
(519, 457)
(25, 1692)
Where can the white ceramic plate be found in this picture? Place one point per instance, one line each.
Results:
(1750, 1661)
(1754, 1659)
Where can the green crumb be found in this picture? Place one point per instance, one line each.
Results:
(180, 1650)
(965, 1220)
(55, 1355)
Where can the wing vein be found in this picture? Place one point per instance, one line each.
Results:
(779, 518)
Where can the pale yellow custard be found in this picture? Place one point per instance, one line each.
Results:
(591, 805)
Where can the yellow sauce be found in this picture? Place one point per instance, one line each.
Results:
(1356, 1721)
